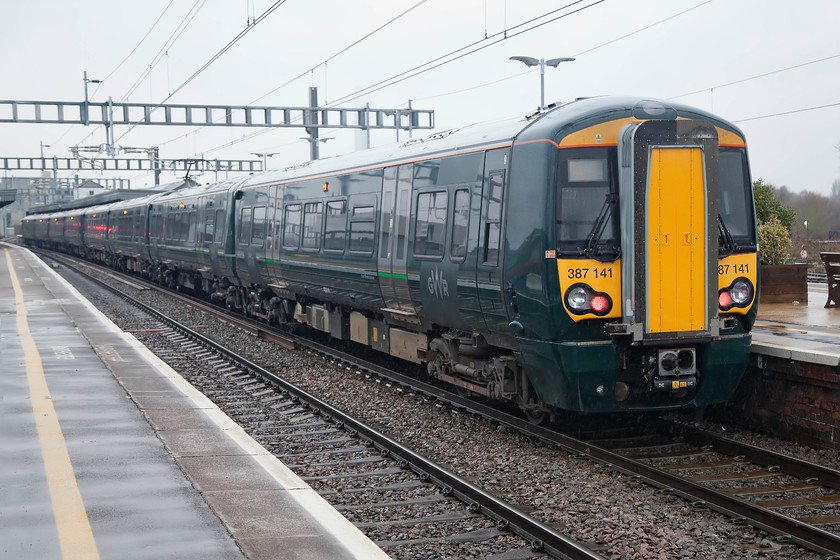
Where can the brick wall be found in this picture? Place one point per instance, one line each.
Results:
(793, 400)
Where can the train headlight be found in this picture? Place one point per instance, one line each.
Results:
(741, 292)
(576, 298)
(738, 294)
(582, 299)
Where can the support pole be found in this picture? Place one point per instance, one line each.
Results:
(312, 120)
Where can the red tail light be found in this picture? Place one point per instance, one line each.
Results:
(599, 304)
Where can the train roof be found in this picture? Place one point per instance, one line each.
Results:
(550, 123)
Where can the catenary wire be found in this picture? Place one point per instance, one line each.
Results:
(215, 57)
(302, 74)
(441, 60)
(112, 72)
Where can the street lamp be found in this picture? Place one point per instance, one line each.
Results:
(530, 61)
(42, 148)
(264, 156)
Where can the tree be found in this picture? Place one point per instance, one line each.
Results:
(774, 223)
(767, 205)
(774, 239)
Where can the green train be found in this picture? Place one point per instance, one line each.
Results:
(596, 256)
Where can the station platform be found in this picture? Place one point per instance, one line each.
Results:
(106, 452)
(806, 332)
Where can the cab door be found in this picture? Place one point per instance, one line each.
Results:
(393, 239)
(669, 218)
(676, 232)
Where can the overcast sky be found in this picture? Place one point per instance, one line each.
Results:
(771, 67)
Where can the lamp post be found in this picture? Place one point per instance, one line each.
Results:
(553, 62)
(264, 156)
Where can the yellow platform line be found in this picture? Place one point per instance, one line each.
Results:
(74, 533)
(783, 328)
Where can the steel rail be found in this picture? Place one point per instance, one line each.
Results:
(541, 536)
(825, 476)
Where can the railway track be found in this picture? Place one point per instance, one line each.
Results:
(403, 501)
(766, 484)
(639, 461)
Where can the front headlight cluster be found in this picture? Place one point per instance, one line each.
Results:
(738, 294)
(582, 299)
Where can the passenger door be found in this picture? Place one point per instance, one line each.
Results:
(491, 241)
(393, 239)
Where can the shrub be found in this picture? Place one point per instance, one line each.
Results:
(774, 241)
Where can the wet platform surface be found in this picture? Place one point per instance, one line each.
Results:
(106, 452)
(806, 332)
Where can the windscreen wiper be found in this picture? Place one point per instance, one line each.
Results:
(728, 246)
(598, 228)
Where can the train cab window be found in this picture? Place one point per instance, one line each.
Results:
(291, 230)
(258, 226)
(312, 218)
(430, 224)
(362, 230)
(735, 206)
(335, 225)
(587, 201)
(460, 226)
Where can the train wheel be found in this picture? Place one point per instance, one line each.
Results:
(537, 413)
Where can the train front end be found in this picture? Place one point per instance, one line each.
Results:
(655, 256)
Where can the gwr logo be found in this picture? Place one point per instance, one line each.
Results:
(437, 284)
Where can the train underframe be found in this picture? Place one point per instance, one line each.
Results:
(461, 359)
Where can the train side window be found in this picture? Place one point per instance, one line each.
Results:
(245, 225)
(460, 226)
(430, 225)
(156, 226)
(312, 218)
(291, 230)
(493, 219)
(335, 226)
(258, 227)
(191, 226)
(209, 226)
(218, 227)
(168, 226)
(362, 230)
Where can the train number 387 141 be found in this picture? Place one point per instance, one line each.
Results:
(579, 273)
(734, 268)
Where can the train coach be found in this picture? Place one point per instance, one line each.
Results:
(598, 256)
